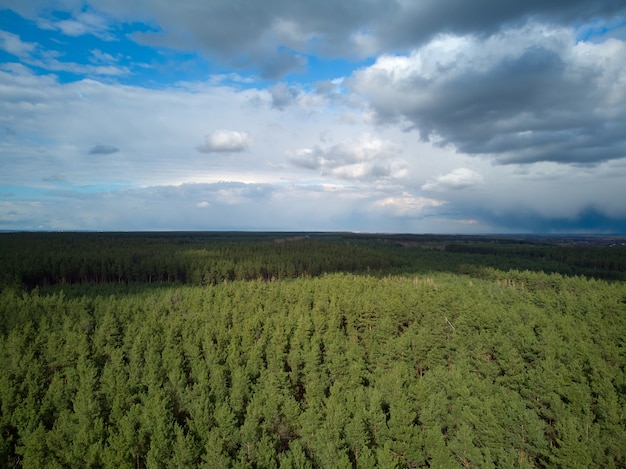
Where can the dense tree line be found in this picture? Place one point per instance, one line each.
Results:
(594, 261)
(340, 371)
(458, 365)
(42, 259)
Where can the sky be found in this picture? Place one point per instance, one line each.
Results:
(430, 116)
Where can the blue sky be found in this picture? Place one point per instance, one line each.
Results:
(386, 116)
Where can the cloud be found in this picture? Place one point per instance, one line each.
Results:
(407, 205)
(275, 64)
(14, 45)
(80, 23)
(53, 178)
(589, 220)
(365, 158)
(56, 124)
(526, 199)
(326, 87)
(460, 178)
(341, 153)
(525, 95)
(52, 64)
(103, 150)
(224, 206)
(85, 23)
(416, 23)
(32, 54)
(7, 132)
(225, 141)
(97, 56)
(273, 37)
(276, 36)
(354, 28)
(283, 95)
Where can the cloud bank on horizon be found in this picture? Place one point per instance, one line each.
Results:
(378, 115)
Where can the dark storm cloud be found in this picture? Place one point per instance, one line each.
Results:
(248, 33)
(588, 220)
(525, 96)
(524, 109)
(417, 22)
(272, 35)
(103, 150)
(273, 65)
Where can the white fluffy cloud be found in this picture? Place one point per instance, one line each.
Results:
(14, 45)
(460, 178)
(407, 205)
(225, 141)
(365, 158)
(82, 23)
(32, 54)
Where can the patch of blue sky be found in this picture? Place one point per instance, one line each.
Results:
(8, 192)
(42, 191)
(27, 30)
(317, 70)
(128, 62)
(323, 69)
(68, 187)
(599, 30)
(169, 67)
(117, 56)
(9, 19)
(148, 66)
(113, 57)
(194, 67)
(5, 58)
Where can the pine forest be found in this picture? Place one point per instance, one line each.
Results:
(311, 350)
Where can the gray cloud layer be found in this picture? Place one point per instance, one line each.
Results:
(511, 82)
(530, 94)
(103, 150)
(272, 35)
(495, 78)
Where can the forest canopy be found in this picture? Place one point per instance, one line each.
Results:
(310, 350)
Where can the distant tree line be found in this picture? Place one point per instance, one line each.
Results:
(43, 259)
(35, 259)
(600, 262)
